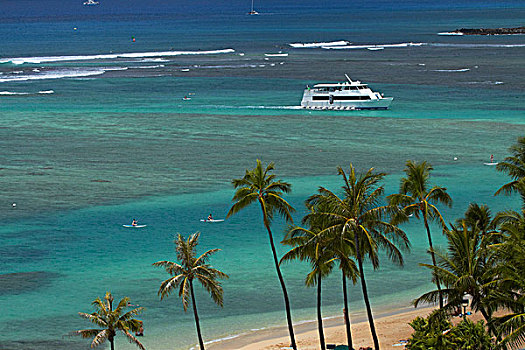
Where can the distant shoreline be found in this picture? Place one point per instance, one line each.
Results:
(488, 31)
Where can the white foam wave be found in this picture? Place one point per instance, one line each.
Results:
(370, 47)
(148, 67)
(452, 70)
(450, 33)
(54, 75)
(11, 93)
(47, 59)
(321, 44)
(483, 82)
(115, 68)
(224, 338)
(475, 45)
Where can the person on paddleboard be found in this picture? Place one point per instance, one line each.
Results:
(134, 222)
(210, 217)
(492, 158)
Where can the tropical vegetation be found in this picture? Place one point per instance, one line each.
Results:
(191, 268)
(260, 186)
(109, 320)
(481, 264)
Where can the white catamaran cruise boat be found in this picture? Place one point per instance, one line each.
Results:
(346, 95)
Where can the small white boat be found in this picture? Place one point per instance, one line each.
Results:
(347, 95)
(253, 12)
(90, 3)
(375, 48)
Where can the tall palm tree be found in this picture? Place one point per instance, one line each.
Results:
(416, 198)
(514, 166)
(341, 247)
(358, 215)
(260, 186)
(110, 320)
(189, 269)
(308, 245)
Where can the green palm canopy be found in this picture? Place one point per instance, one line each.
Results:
(110, 320)
(191, 268)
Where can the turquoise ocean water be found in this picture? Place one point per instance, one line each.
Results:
(88, 143)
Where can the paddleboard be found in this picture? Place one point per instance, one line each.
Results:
(135, 226)
(496, 163)
(212, 220)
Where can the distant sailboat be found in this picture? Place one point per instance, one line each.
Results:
(90, 3)
(253, 12)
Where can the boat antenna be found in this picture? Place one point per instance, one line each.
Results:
(347, 77)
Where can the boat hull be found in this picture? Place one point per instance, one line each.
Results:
(382, 103)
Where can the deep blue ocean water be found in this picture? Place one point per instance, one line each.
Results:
(89, 143)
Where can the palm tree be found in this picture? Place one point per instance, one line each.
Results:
(416, 198)
(110, 320)
(314, 246)
(359, 216)
(308, 245)
(258, 185)
(342, 248)
(190, 268)
(466, 268)
(510, 278)
(514, 166)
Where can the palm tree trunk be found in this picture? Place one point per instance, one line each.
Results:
(281, 280)
(112, 344)
(199, 335)
(365, 293)
(433, 259)
(319, 315)
(345, 315)
(488, 320)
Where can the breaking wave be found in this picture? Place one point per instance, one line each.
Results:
(48, 59)
(314, 45)
(54, 75)
(374, 46)
(12, 93)
(451, 70)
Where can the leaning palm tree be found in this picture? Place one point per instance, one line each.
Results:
(416, 198)
(191, 268)
(110, 320)
(514, 166)
(358, 216)
(259, 186)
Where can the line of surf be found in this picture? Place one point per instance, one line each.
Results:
(320, 44)
(48, 59)
(345, 45)
(54, 75)
(369, 46)
(14, 93)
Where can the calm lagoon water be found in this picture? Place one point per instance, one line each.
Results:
(89, 144)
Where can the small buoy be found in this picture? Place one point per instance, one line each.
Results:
(455, 158)
(14, 205)
(133, 38)
(75, 28)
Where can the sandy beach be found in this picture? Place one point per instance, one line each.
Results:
(392, 327)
